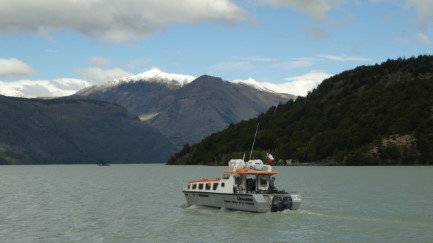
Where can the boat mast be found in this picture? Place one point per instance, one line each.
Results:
(252, 147)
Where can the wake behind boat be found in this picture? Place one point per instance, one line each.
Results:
(244, 186)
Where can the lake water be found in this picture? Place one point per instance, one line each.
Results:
(144, 203)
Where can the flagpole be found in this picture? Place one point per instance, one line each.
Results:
(252, 147)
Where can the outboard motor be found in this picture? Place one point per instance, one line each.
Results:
(290, 201)
(277, 204)
(287, 202)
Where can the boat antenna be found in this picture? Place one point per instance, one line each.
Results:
(252, 147)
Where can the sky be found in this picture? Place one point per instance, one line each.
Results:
(55, 47)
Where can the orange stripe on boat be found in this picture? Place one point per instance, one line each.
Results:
(205, 180)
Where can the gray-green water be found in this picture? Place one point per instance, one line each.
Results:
(144, 203)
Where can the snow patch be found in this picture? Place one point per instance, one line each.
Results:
(148, 116)
(268, 87)
(157, 75)
(296, 85)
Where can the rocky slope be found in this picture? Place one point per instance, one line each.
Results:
(186, 111)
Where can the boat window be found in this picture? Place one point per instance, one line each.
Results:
(263, 181)
(215, 186)
(207, 186)
(226, 176)
(194, 186)
(200, 186)
(189, 186)
(238, 180)
(223, 184)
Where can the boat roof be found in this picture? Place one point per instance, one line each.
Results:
(251, 172)
(238, 171)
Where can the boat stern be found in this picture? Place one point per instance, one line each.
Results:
(296, 200)
(290, 201)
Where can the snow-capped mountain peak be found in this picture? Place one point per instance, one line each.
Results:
(157, 75)
(268, 87)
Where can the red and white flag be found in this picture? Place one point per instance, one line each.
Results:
(269, 158)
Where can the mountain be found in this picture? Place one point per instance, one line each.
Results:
(209, 104)
(37, 131)
(42, 88)
(182, 108)
(371, 115)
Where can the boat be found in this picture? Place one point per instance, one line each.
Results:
(103, 164)
(245, 186)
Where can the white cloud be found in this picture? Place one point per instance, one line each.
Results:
(315, 9)
(14, 68)
(295, 63)
(317, 33)
(137, 63)
(344, 58)
(424, 38)
(229, 66)
(61, 86)
(301, 85)
(297, 85)
(42, 88)
(424, 14)
(112, 20)
(100, 61)
(97, 75)
(249, 63)
(423, 9)
(257, 59)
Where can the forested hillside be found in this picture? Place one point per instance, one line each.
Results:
(65, 131)
(371, 115)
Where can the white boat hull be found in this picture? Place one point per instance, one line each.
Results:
(258, 203)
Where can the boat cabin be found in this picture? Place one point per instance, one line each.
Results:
(250, 177)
